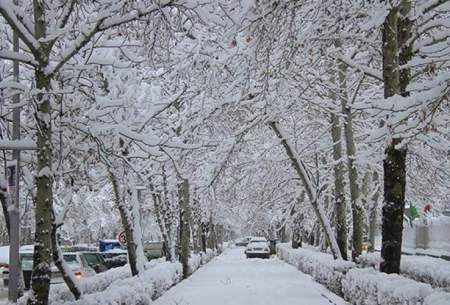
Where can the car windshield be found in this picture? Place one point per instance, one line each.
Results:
(258, 244)
(92, 259)
(256, 239)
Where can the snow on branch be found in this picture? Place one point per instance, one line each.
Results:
(366, 70)
(19, 23)
(23, 58)
(106, 20)
(17, 144)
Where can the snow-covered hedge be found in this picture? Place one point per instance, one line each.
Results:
(364, 286)
(370, 287)
(208, 255)
(138, 290)
(198, 259)
(430, 270)
(321, 266)
(96, 283)
(438, 298)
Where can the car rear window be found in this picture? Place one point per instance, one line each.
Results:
(71, 259)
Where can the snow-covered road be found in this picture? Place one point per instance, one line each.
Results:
(231, 279)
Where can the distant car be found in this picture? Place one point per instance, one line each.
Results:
(154, 249)
(257, 248)
(115, 258)
(256, 239)
(108, 244)
(241, 242)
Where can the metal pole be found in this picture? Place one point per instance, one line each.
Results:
(14, 260)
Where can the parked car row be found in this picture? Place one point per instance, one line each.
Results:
(84, 261)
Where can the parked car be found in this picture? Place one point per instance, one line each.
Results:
(243, 242)
(257, 247)
(93, 260)
(73, 259)
(115, 258)
(82, 264)
(108, 244)
(154, 249)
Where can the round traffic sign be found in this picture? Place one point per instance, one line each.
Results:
(122, 238)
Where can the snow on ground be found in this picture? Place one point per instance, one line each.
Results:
(231, 279)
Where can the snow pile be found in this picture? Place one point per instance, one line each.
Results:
(366, 260)
(198, 259)
(370, 287)
(434, 271)
(430, 270)
(208, 255)
(136, 290)
(195, 261)
(96, 283)
(321, 266)
(438, 298)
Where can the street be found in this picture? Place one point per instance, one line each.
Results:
(231, 279)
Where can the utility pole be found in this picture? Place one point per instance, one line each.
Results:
(13, 187)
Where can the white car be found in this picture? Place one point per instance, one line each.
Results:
(258, 239)
(78, 263)
(257, 248)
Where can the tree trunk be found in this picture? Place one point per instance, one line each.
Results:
(339, 192)
(373, 212)
(212, 238)
(396, 33)
(4, 202)
(63, 268)
(157, 203)
(309, 188)
(185, 236)
(297, 223)
(357, 211)
(40, 281)
(126, 224)
(204, 236)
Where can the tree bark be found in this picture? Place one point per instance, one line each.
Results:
(62, 267)
(339, 192)
(204, 236)
(126, 224)
(396, 33)
(357, 211)
(185, 235)
(40, 280)
(296, 240)
(373, 212)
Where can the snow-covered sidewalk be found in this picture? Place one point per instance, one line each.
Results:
(231, 279)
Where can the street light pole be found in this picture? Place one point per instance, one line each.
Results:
(14, 284)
